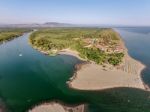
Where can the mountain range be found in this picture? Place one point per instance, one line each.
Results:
(36, 25)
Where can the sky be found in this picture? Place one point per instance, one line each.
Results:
(104, 12)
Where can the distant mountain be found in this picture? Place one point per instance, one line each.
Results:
(55, 24)
(36, 25)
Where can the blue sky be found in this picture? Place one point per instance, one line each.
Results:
(112, 12)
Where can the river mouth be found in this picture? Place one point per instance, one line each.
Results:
(33, 78)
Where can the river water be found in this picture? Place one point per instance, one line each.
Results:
(33, 78)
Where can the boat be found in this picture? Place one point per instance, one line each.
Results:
(20, 55)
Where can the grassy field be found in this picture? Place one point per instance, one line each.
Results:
(98, 45)
(9, 34)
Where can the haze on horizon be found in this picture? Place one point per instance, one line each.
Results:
(106, 12)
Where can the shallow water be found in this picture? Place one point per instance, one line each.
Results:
(33, 78)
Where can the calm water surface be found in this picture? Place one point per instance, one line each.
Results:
(137, 41)
(34, 78)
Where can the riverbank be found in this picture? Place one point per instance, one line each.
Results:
(57, 107)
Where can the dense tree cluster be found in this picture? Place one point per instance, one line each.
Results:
(9, 34)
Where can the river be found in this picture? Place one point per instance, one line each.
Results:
(28, 78)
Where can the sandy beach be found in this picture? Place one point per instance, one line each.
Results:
(57, 107)
(95, 77)
(70, 52)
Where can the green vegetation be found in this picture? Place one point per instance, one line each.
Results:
(9, 34)
(98, 45)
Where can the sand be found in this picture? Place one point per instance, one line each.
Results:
(71, 53)
(48, 108)
(57, 107)
(95, 77)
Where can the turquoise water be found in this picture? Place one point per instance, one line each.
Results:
(35, 78)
